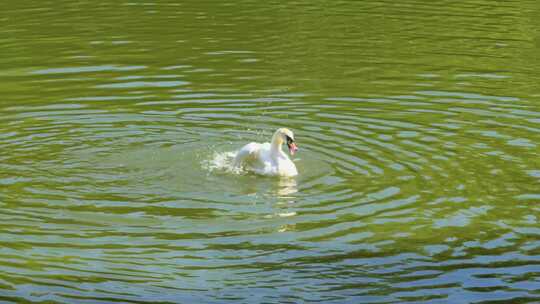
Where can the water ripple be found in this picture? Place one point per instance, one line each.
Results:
(418, 153)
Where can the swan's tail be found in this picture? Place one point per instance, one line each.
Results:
(245, 154)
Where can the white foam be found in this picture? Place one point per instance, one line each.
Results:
(222, 161)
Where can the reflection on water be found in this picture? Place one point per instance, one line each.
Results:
(286, 187)
(419, 168)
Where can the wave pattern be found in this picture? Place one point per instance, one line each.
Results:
(418, 153)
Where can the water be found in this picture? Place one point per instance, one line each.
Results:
(418, 125)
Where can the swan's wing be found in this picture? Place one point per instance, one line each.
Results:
(248, 152)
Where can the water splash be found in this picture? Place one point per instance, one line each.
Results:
(221, 162)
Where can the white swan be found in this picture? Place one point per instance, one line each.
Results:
(268, 158)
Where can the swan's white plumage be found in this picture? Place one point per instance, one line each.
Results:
(267, 158)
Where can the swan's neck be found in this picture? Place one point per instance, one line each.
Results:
(275, 146)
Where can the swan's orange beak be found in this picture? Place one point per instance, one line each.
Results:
(292, 147)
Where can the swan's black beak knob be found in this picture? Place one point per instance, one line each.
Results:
(291, 144)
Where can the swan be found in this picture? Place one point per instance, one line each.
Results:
(268, 158)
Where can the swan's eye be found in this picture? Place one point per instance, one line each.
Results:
(289, 140)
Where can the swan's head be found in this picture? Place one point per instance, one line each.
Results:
(286, 136)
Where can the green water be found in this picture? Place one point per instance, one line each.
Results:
(419, 171)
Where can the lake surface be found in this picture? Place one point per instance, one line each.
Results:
(418, 124)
